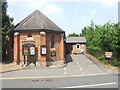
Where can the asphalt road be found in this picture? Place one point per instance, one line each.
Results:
(93, 81)
(80, 72)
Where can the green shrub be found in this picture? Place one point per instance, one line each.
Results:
(115, 62)
(100, 58)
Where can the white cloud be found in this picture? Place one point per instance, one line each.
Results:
(50, 9)
(31, 3)
(91, 11)
(109, 3)
(37, 3)
(40, 3)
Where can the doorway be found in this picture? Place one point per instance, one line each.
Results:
(29, 53)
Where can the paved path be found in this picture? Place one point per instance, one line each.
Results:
(77, 65)
(9, 67)
(79, 72)
(84, 65)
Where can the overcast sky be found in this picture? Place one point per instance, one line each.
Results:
(70, 15)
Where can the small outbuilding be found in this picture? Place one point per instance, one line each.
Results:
(75, 45)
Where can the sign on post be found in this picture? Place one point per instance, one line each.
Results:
(108, 54)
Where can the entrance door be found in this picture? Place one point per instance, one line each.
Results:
(29, 53)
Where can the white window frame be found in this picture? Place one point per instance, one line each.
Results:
(77, 45)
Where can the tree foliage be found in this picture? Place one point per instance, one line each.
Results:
(73, 35)
(6, 20)
(103, 37)
(6, 25)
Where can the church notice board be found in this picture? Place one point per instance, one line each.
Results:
(108, 54)
(43, 50)
(32, 50)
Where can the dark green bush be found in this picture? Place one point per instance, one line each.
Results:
(115, 62)
(100, 55)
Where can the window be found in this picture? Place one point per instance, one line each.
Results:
(77, 46)
(29, 35)
(52, 41)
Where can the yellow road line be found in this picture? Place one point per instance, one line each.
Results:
(56, 76)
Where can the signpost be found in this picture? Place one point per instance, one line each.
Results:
(108, 55)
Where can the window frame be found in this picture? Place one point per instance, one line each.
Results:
(29, 36)
(77, 47)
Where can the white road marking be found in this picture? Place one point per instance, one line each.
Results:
(112, 83)
(77, 63)
(65, 68)
(65, 73)
(80, 68)
(82, 72)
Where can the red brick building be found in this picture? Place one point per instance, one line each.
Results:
(76, 45)
(38, 41)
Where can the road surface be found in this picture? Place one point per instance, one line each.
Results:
(80, 72)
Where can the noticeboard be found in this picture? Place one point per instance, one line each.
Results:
(32, 50)
(25, 51)
(28, 49)
(108, 54)
(43, 50)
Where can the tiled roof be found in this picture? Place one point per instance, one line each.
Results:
(37, 21)
(75, 40)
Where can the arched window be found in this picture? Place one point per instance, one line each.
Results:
(77, 46)
(29, 35)
(52, 41)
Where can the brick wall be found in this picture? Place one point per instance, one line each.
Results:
(82, 48)
(71, 48)
(39, 40)
(36, 38)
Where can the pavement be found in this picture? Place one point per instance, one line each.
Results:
(76, 65)
(12, 67)
(107, 67)
(9, 67)
(80, 71)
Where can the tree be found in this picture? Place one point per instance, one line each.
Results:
(73, 35)
(6, 25)
(103, 37)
